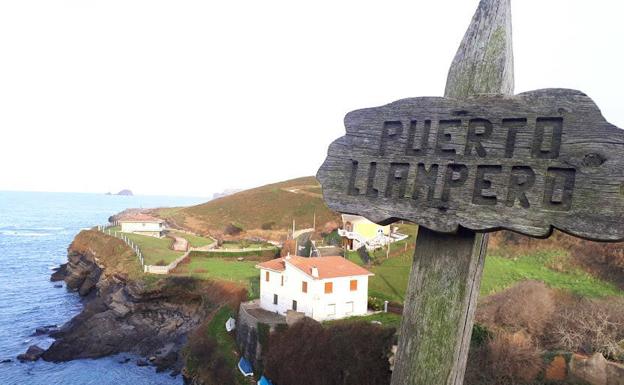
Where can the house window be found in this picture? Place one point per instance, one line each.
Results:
(353, 285)
(266, 276)
(274, 299)
(294, 307)
(329, 288)
(282, 280)
(331, 310)
(349, 308)
(304, 287)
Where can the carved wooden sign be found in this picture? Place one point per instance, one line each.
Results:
(526, 163)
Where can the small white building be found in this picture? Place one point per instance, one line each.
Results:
(142, 224)
(322, 288)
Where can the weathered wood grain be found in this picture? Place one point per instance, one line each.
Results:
(484, 62)
(444, 282)
(439, 308)
(441, 298)
(526, 163)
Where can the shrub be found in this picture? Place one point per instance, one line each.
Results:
(262, 254)
(506, 359)
(590, 326)
(603, 259)
(204, 360)
(376, 304)
(233, 229)
(307, 248)
(161, 262)
(289, 248)
(333, 239)
(529, 306)
(480, 335)
(267, 226)
(353, 353)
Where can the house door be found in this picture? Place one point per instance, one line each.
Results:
(294, 305)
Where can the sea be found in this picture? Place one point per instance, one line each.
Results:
(35, 230)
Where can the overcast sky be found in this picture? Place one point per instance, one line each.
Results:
(192, 97)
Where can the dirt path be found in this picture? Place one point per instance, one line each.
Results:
(302, 190)
(180, 244)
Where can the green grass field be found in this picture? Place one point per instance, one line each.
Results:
(194, 240)
(227, 269)
(386, 319)
(549, 266)
(226, 342)
(155, 250)
(501, 273)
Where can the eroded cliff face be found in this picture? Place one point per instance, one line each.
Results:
(124, 314)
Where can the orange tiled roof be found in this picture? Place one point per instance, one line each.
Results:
(328, 267)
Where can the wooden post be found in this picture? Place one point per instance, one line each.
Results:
(470, 163)
(444, 282)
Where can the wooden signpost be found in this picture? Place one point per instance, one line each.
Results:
(475, 161)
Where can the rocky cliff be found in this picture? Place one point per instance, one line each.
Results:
(125, 312)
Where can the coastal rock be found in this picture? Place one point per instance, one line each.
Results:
(81, 273)
(141, 363)
(6, 361)
(122, 315)
(33, 353)
(59, 273)
(45, 330)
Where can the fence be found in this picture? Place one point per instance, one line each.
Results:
(106, 230)
(153, 269)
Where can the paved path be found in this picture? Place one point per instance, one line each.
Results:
(180, 244)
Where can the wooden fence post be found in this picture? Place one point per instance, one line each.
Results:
(444, 282)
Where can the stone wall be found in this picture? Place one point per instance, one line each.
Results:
(247, 335)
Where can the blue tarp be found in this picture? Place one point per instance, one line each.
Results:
(264, 381)
(245, 367)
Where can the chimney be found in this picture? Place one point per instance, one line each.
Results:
(315, 272)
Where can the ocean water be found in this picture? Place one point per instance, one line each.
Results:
(35, 231)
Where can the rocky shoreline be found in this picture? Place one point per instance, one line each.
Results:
(122, 316)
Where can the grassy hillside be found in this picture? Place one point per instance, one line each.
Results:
(110, 252)
(505, 266)
(270, 208)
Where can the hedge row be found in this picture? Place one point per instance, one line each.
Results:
(267, 253)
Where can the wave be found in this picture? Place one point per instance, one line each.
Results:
(32, 228)
(14, 233)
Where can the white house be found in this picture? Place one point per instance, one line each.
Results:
(322, 288)
(142, 224)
